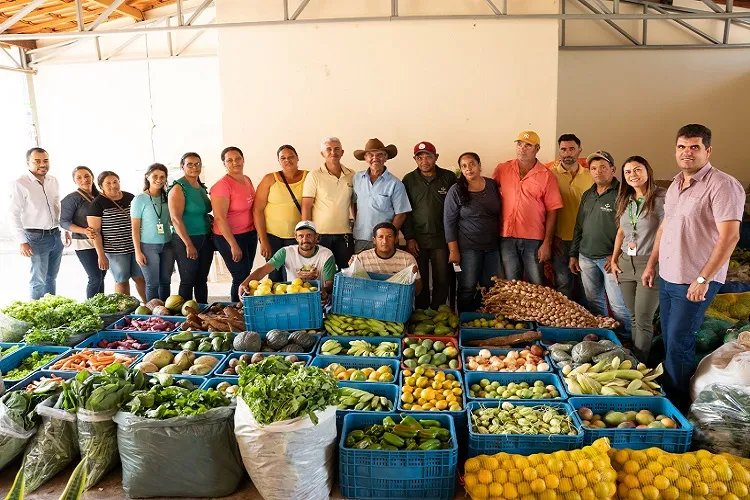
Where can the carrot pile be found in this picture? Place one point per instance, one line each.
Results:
(95, 361)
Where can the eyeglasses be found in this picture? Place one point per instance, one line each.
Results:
(191, 165)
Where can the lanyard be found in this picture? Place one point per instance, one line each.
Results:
(85, 196)
(161, 207)
(634, 218)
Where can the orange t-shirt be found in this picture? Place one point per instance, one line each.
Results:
(526, 201)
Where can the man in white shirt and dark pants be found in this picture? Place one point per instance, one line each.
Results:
(35, 221)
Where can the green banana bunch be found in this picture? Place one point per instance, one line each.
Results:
(613, 378)
(331, 347)
(352, 326)
(355, 399)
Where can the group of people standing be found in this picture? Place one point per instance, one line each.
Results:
(627, 246)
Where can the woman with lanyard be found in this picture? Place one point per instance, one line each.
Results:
(278, 206)
(189, 207)
(109, 219)
(73, 213)
(640, 211)
(152, 233)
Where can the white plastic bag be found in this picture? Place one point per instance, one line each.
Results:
(288, 460)
(406, 276)
(355, 270)
(13, 437)
(729, 365)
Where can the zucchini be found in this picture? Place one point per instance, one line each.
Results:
(19, 484)
(74, 488)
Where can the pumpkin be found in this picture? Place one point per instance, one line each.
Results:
(276, 339)
(292, 348)
(303, 339)
(247, 342)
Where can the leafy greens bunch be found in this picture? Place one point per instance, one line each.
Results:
(277, 390)
(111, 303)
(54, 319)
(169, 401)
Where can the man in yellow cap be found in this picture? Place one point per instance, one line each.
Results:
(530, 197)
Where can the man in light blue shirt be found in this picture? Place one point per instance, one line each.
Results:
(378, 195)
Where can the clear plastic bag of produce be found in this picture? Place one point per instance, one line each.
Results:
(721, 419)
(729, 364)
(53, 447)
(655, 474)
(291, 459)
(13, 436)
(406, 276)
(584, 473)
(97, 441)
(355, 270)
(11, 329)
(195, 456)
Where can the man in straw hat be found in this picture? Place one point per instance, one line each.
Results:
(378, 195)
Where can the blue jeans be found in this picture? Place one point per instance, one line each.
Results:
(680, 319)
(158, 269)
(90, 263)
(519, 255)
(596, 281)
(277, 244)
(248, 243)
(194, 272)
(477, 268)
(47, 253)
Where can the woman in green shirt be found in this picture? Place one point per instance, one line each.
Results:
(189, 207)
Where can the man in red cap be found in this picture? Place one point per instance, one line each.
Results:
(426, 187)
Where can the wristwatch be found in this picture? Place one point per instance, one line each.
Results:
(701, 280)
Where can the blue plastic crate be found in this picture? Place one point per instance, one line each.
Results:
(554, 335)
(214, 381)
(383, 474)
(458, 416)
(121, 322)
(372, 340)
(390, 391)
(7, 363)
(22, 384)
(292, 311)
(359, 362)
(138, 355)
(111, 336)
(225, 363)
(7, 345)
(521, 444)
(506, 378)
(465, 317)
(373, 298)
(671, 440)
(495, 351)
(466, 334)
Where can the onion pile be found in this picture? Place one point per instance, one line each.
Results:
(528, 302)
(530, 359)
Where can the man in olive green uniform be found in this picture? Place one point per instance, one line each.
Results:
(426, 186)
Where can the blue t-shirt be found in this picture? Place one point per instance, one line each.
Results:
(151, 211)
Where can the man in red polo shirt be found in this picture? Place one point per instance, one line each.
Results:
(530, 197)
(702, 215)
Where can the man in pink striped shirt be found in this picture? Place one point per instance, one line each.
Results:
(702, 216)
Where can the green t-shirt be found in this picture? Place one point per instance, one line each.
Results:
(197, 208)
(290, 258)
(152, 211)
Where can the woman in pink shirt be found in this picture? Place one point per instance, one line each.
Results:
(234, 231)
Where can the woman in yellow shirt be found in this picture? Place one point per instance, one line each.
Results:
(278, 206)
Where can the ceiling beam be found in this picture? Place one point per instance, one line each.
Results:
(24, 44)
(124, 9)
(20, 14)
(56, 24)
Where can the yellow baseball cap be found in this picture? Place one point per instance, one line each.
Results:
(528, 136)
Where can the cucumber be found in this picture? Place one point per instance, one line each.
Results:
(19, 484)
(74, 488)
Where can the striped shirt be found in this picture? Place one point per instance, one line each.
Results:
(375, 264)
(116, 231)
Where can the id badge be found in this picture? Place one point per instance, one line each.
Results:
(456, 268)
(632, 250)
(159, 228)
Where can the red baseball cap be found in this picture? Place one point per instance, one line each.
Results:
(425, 146)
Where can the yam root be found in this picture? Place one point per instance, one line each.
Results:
(507, 340)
